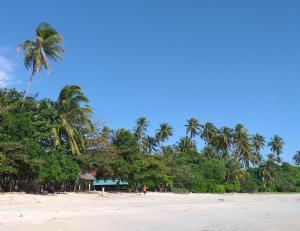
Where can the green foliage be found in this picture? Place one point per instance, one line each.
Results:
(287, 178)
(49, 143)
(219, 188)
(74, 119)
(232, 187)
(213, 170)
(250, 184)
(56, 168)
(47, 45)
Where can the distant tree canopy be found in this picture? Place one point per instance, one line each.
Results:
(46, 144)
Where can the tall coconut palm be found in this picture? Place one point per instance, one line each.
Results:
(192, 127)
(224, 141)
(296, 158)
(245, 155)
(240, 138)
(276, 145)
(46, 45)
(208, 134)
(74, 118)
(141, 128)
(164, 132)
(258, 142)
(243, 147)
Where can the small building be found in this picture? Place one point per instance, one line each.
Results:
(110, 183)
(87, 178)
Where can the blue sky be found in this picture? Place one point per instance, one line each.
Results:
(227, 62)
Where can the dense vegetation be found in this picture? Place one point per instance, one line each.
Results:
(46, 144)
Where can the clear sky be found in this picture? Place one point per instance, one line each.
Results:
(227, 62)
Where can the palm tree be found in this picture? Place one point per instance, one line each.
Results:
(149, 143)
(47, 45)
(186, 144)
(240, 139)
(141, 128)
(75, 119)
(224, 140)
(243, 147)
(258, 142)
(267, 169)
(276, 145)
(234, 170)
(272, 158)
(192, 127)
(296, 158)
(208, 134)
(163, 133)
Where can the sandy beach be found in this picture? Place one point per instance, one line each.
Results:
(154, 211)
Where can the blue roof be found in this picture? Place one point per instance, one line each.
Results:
(109, 181)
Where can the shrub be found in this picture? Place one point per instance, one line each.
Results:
(213, 170)
(219, 188)
(232, 187)
(213, 187)
(250, 184)
(283, 185)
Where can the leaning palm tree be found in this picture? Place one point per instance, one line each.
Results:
(296, 158)
(163, 133)
(46, 45)
(74, 118)
(192, 127)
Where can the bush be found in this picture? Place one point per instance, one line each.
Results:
(213, 170)
(213, 187)
(250, 184)
(283, 185)
(200, 188)
(56, 168)
(232, 187)
(219, 188)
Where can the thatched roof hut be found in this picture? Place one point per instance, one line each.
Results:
(87, 176)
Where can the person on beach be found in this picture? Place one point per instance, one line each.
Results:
(145, 190)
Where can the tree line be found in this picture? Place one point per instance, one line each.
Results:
(46, 144)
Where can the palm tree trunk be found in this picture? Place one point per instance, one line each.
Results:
(28, 85)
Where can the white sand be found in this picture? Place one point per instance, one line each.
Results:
(155, 211)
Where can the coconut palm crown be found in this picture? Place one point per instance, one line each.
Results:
(74, 118)
(46, 45)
